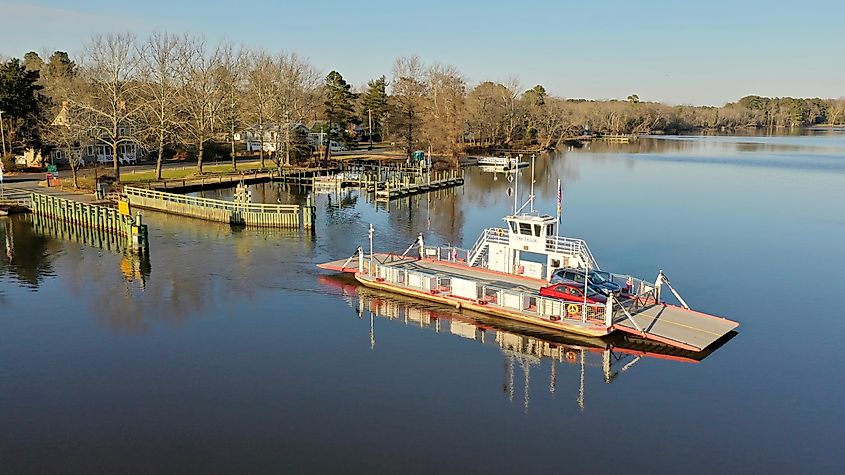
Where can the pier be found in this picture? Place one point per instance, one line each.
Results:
(99, 219)
(238, 213)
(407, 185)
(384, 182)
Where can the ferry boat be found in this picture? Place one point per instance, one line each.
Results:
(502, 274)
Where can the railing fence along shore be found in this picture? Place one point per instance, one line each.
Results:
(100, 218)
(247, 214)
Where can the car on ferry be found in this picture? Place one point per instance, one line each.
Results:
(571, 291)
(600, 282)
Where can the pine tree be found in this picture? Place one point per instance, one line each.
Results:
(375, 103)
(338, 104)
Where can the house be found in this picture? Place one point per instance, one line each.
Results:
(88, 148)
(273, 136)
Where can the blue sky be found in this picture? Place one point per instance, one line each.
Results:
(678, 52)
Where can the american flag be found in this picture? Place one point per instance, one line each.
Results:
(559, 200)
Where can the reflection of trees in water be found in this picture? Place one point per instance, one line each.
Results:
(201, 265)
(27, 256)
(437, 214)
(198, 266)
(707, 144)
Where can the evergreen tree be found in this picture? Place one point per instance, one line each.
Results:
(32, 62)
(22, 104)
(374, 102)
(60, 65)
(338, 94)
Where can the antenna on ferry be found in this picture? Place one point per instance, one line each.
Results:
(515, 189)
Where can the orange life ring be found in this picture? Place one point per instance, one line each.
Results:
(571, 356)
(572, 310)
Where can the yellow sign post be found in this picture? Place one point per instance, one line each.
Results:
(123, 207)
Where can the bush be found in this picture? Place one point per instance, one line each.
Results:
(8, 162)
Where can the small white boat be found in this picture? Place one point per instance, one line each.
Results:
(502, 163)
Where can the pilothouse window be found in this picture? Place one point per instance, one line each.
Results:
(525, 229)
(537, 230)
(513, 226)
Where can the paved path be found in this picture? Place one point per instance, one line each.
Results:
(18, 188)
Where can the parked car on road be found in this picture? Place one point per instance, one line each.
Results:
(572, 292)
(600, 281)
(338, 147)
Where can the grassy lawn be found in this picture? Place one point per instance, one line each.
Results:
(179, 173)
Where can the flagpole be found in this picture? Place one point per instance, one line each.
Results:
(559, 206)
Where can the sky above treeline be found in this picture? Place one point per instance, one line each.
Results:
(678, 52)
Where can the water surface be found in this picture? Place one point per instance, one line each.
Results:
(228, 351)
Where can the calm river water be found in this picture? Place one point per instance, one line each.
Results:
(229, 352)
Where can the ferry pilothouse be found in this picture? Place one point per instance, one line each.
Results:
(527, 272)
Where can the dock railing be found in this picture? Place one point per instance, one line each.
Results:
(249, 214)
(100, 218)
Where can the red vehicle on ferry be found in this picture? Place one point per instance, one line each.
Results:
(571, 292)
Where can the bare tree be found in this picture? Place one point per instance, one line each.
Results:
(232, 77)
(68, 132)
(510, 97)
(202, 94)
(294, 96)
(444, 121)
(159, 90)
(260, 74)
(409, 92)
(109, 70)
(487, 112)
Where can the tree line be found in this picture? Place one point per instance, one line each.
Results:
(178, 92)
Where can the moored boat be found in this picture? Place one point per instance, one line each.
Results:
(501, 163)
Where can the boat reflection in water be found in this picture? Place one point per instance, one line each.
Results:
(523, 346)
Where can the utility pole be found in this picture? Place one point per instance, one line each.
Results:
(287, 139)
(2, 134)
(370, 114)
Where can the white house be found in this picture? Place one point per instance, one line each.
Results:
(91, 149)
(273, 134)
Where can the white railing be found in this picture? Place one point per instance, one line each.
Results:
(446, 253)
(531, 303)
(494, 235)
(573, 247)
(210, 203)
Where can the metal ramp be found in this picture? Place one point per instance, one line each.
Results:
(675, 326)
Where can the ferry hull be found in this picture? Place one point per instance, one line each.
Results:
(590, 331)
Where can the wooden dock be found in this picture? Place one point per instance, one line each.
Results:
(98, 218)
(385, 182)
(247, 214)
(407, 186)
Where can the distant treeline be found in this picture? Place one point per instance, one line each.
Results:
(170, 92)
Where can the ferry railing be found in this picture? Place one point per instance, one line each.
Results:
(633, 285)
(447, 253)
(545, 308)
(574, 247)
(494, 235)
